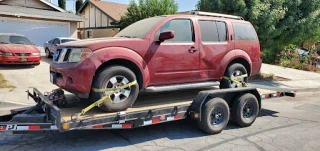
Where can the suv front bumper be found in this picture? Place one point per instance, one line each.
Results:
(72, 78)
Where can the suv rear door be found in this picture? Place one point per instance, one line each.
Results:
(175, 60)
(215, 43)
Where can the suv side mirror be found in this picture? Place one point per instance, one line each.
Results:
(166, 35)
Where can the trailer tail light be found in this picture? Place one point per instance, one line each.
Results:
(65, 126)
(196, 115)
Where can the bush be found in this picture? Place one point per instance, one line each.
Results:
(268, 55)
(290, 57)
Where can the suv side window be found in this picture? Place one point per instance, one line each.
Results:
(182, 28)
(209, 31)
(244, 31)
(213, 31)
(222, 30)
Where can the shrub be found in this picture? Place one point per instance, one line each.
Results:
(290, 57)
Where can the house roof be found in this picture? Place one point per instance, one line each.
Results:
(19, 11)
(113, 10)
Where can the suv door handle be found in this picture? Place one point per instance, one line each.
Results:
(192, 50)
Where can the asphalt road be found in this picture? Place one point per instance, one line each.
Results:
(284, 124)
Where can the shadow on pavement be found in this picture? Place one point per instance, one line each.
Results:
(45, 59)
(17, 67)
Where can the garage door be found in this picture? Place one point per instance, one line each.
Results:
(36, 30)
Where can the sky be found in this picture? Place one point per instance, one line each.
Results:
(184, 5)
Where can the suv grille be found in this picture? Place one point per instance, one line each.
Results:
(57, 55)
(61, 55)
(66, 57)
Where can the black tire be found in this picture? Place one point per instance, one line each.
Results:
(63, 102)
(48, 54)
(206, 123)
(101, 81)
(224, 83)
(239, 116)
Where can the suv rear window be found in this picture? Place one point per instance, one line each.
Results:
(244, 31)
(213, 31)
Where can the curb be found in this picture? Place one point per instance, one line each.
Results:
(308, 90)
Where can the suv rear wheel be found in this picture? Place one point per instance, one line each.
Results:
(234, 70)
(115, 77)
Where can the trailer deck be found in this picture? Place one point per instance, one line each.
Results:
(150, 108)
(144, 102)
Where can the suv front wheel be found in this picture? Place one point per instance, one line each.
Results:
(115, 77)
(234, 70)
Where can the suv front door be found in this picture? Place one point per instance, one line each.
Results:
(175, 60)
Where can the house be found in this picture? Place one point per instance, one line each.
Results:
(39, 20)
(100, 18)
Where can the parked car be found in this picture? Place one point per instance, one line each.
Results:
(163, 53)
(50, 46)
(303, 52)
(17, 49)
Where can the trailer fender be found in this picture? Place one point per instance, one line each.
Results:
(229, 95)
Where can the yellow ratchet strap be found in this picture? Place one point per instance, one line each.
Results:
(104, 99)
(234, 79)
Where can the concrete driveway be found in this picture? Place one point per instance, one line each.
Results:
(24, 77)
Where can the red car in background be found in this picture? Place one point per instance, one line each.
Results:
(17, 49)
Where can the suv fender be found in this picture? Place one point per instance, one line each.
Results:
(231, 56)
(113, 53)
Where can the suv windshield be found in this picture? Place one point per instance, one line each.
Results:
(7, 39)
(140, 28)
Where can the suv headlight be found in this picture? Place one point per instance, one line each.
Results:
(78, 54)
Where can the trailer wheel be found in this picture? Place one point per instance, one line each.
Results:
(214, 116)
(245, 110)
(115, 77)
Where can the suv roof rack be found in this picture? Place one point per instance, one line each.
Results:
(215, 15)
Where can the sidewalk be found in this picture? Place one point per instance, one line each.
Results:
(298, 79)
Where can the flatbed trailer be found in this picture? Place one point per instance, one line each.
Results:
(212, 109)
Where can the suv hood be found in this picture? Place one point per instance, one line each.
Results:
(18, 48)
(98, 43)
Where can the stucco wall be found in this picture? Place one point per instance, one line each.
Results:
(73, 29)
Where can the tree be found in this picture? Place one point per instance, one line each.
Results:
(147, 8)
(62, 4)
(278, 22)
(79, 3)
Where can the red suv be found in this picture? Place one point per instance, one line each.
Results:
(162, 53)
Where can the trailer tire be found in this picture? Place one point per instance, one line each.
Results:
(245, 110)
(102, 80)
(218, 109)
